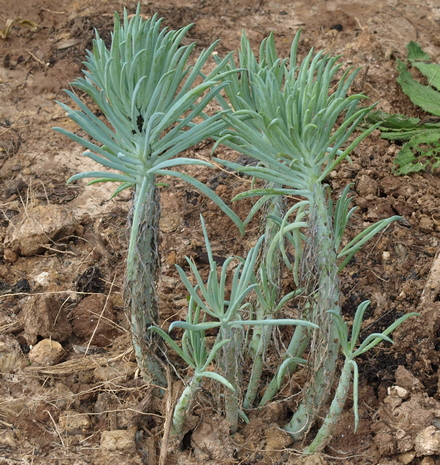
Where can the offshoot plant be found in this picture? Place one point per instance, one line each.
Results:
(348, 346)
(153, 103)
(285, 117)
(230, 315)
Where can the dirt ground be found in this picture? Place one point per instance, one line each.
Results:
(63, 248)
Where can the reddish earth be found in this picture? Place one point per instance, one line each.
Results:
(63, 249)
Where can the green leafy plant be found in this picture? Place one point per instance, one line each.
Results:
(285, 117)
(151, 99)
(421, 150)
(196, 355)
(229, 314)
(348, 346)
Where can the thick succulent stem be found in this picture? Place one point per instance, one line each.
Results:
(141, 281)
(183, 405)
(321, 269)
(324, 434)
(264, 336)
(231, 361)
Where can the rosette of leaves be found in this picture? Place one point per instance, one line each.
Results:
(152, 101)
(299, 125)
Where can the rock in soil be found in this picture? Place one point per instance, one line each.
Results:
(120, 372)
(212, 441)
(72, 422)
(406, 423)
(45, 317)
(119, 440)
(46, 353)
(92, 320)
(428, 442)
(37, 227)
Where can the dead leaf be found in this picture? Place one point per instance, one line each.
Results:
(4, 33)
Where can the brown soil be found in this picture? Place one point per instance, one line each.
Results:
(82, 402)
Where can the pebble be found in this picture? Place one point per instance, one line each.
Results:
(119, 440)
(46, 352)
(427, 442)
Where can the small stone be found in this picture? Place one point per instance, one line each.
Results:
(406, 458)
(43, 317)
(398, 391)
(427, 442)
(74, 422)
(426, 224)
(427, 461)
(119, 440)
(10, 255)
(118, 373)
(31, 231)
(46, 352)
(407, 380)
(367, 186)
(42, 279)
(92, 320)
(277, 440)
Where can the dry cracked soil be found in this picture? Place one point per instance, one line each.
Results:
(70, 391)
